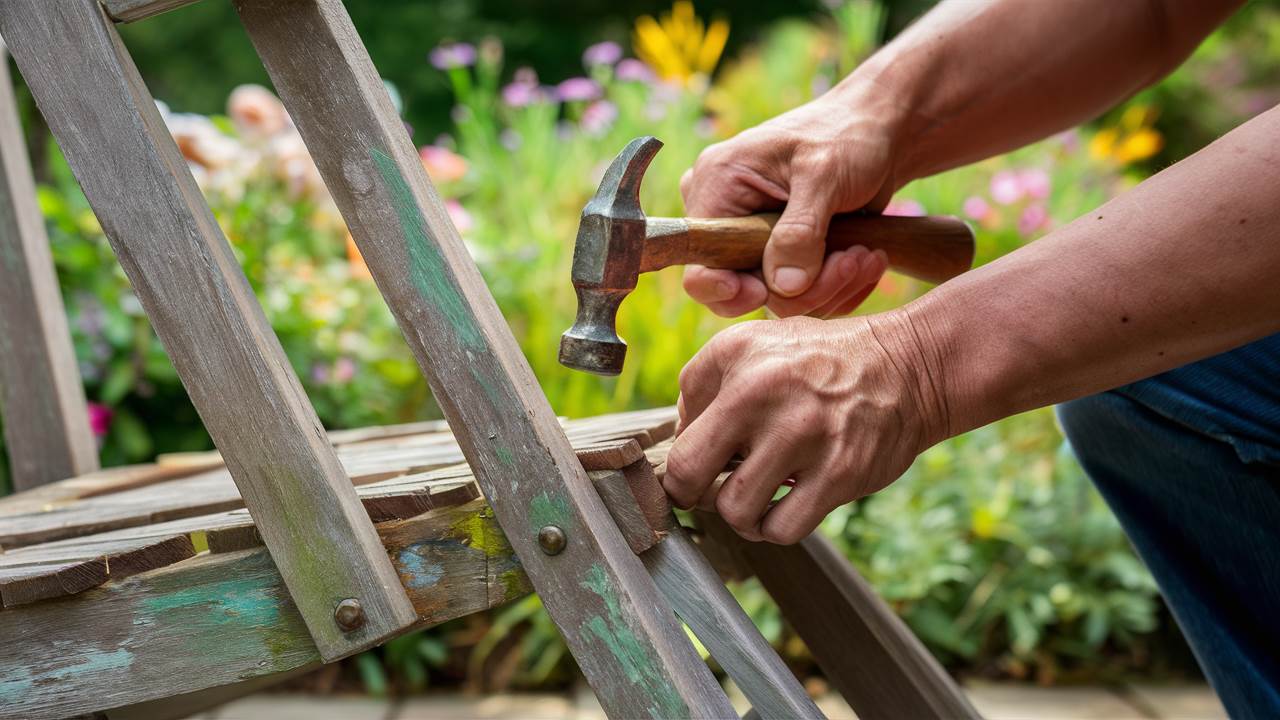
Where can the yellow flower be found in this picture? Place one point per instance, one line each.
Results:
(679, 46)
(1132, 140)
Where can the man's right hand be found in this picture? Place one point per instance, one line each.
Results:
(834, 154)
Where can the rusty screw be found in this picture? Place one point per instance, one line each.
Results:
(349, 615)
(552, 539)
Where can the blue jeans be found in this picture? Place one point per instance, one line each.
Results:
(1190, 463)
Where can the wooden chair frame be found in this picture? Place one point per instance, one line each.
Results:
(325, 556)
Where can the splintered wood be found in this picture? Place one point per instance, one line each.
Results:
(67, 537)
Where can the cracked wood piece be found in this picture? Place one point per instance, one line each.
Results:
(201, 306)
(621, 632)
(866, 651)
(58, 571)
(46, 425)
(213, 620)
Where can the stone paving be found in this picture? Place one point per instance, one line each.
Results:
(994, 701)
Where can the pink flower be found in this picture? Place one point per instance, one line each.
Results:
(603, 53)
(460, 217)
(1033, 218)
(1035, 183)
(442, 164)
(99, 418)
(578, 89)
(598, 116)
(256, 111)
(1006, 188)
(344, 368)
(633, 70)
(976, 207)
(518, 94)
(904, 208)
(452, 55)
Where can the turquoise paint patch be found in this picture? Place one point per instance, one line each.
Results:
(546, 509)
(17, 682)
(427, 268)
(634, 658)
(244, 601)
(504, 456)
(415, 563)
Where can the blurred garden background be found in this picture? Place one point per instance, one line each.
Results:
(994, 547)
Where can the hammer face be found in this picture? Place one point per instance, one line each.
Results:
(592, 344)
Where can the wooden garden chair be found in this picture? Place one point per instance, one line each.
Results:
(147, 592)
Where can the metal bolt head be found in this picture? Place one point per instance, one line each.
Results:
(552, 540)
(349, 615)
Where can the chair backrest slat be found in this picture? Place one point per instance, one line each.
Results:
(46, 426)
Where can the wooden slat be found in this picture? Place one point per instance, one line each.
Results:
(618, 627)
(46, 426)
(127, 11)
(866, 651)
(49, 514)
(200, 304)
(219, 619)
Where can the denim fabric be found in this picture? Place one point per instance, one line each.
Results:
(1189, 461)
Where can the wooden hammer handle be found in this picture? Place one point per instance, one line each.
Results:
(933, 249)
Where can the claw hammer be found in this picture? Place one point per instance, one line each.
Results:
(616, 242)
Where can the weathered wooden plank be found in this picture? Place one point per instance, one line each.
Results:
(201, 306)
(706, 606)
(49, 513)
(219, 619)
(46, 426)
(127, 11)
(618, 627)
(866, 651)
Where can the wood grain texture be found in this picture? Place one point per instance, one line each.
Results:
(219, 619)
(201, 306)
(867, 652)
(933, 249)
(133, 10)
(619, 629)
(46, 426)
(700, 599)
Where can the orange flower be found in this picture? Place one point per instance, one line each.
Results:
(256, 111)
(442, 164)
(356, 261)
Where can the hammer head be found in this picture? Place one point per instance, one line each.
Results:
(606, 262)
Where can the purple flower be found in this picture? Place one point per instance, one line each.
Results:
(598, 116)
(1035, 183)
(452, 55)
(99, 418)
(976, 207)
(1033, 218)
(603, 53)
(1006, 188)
(633, 70)
(905, 208)
(518, 94)
(578, 89)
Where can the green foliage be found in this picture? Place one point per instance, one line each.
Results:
(994, 547)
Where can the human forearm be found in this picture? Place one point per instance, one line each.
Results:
(1184, 266)
(973, 79)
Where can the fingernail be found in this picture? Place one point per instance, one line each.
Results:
(790, 279)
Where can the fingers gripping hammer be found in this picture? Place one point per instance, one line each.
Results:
(616, 242)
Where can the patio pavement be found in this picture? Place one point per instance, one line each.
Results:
(994, 701)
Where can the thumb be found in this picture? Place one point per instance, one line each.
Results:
(798, 243)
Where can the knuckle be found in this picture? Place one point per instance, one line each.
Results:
(786, 535)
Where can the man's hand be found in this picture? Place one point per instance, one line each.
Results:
(831, 155)
(841, 407)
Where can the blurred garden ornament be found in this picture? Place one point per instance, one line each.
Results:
(616, 242)
(82, 639)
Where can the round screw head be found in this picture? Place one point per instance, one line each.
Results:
(349, 615)
(552, 540)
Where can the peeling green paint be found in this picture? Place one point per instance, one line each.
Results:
(427, 268)
(504, 456)
(636, 660)
(546, 509)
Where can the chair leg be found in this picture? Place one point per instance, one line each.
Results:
(867, 652)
